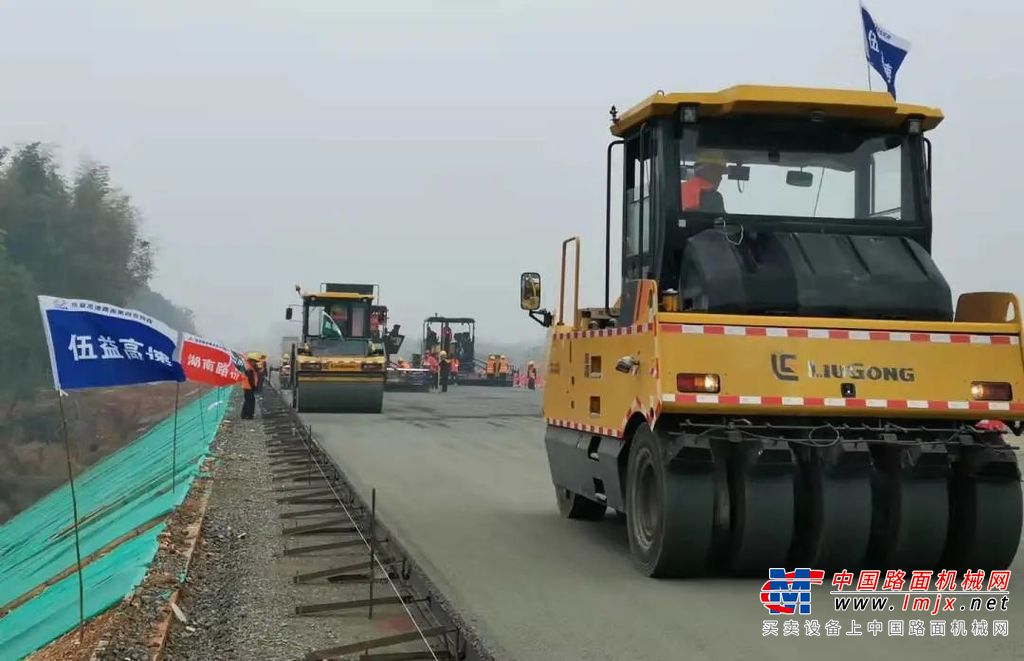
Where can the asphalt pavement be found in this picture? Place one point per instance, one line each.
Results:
(462, 479)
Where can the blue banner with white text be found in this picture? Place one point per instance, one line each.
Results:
(884, 50)
(95, 345)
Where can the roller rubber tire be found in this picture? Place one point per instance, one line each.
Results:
(668, 511)
(833, 517)
(910, 522)
(761, 514)
(985, 524)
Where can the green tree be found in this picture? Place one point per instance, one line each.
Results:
(74, 239)
(23, 350)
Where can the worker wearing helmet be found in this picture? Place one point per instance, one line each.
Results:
(250, 384)
(445, 369)
(700, 192)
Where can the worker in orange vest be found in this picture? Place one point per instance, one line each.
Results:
(503, 367)
(700, 192)
(455, 368)
(492, 366)
(432, 365)
(249, 385)
(531, 376)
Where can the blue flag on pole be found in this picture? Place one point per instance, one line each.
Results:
(884, 50)
(95, 345)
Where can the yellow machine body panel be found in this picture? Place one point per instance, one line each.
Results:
(582, 388)
(787, 366)
(369, 367)
(769, 368)
(877, 108)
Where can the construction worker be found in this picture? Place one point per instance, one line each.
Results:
(492, 366)
(433, 366)
(249, 386)
(531, 376)
(446, 337)
(402, 364)
(503, 367)
(261, 369)
(454, 369)
(700, 192)
(445, 370)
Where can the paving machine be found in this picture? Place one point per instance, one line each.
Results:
(784, 380)
(402, 376)
(339, 364)
(457, 337)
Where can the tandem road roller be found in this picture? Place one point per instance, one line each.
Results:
(340, 362)
(784, 380)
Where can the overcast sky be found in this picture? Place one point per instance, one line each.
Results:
(440, 148)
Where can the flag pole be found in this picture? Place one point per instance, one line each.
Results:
(74, 511)
(202, 405)
(174, 437)
(864, 37)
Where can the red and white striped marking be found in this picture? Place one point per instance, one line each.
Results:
(837, 334)
(590, 429)
(606, 332)
(838, 402)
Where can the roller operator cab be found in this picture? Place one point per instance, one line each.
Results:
(784, 380)
(339, 364)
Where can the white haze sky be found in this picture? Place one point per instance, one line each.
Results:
(440, 148)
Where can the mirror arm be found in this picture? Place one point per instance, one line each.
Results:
(542, 317)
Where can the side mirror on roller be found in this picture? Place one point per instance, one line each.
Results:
(529, 291)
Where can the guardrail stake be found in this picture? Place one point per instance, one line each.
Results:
(373, 544)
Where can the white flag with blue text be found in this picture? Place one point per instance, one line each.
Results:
(885, 51)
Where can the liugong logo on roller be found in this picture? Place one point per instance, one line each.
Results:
(784, 370)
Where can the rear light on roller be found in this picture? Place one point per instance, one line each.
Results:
(372, 367)
(697, 382)
(310, 366)
(991, 391)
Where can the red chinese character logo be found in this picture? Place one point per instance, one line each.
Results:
(894, 580)
(868, 580)
(973, 581)
(841, 579)
(999, 580)
(920, 579)
(946, 580)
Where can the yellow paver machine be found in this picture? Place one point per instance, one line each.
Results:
(340, 361)
(784, 380)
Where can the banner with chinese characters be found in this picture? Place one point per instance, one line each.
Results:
(95, 345)
(208, 362)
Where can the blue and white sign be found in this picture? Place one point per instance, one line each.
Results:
(95, 345)
(884, 50)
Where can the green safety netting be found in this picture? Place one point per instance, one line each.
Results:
(125, 492)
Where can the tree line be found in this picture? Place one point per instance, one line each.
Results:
(69, 236)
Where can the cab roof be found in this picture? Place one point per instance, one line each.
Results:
(451, 320)
(873, 108)
(336, 295)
